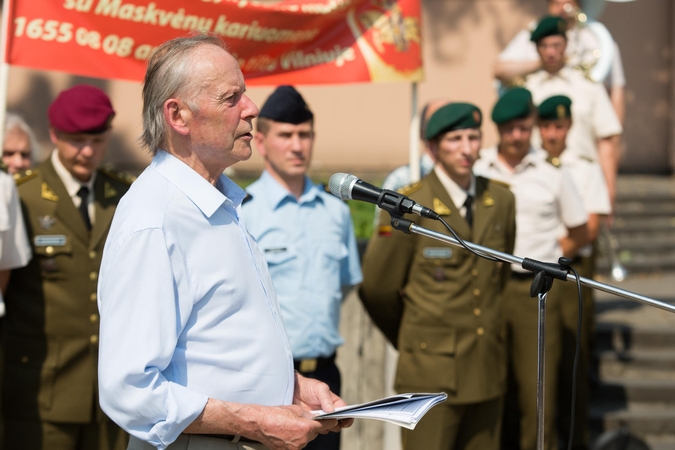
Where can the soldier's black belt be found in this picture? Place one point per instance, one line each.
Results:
(309, 365)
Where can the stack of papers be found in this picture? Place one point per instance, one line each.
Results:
(404, 410)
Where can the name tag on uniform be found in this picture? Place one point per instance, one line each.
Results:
(437, 253)
(54, 240)
(275, 250)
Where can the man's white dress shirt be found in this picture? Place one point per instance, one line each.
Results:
(187, 306)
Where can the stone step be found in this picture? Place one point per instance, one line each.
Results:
(643, 364)
(633, 339)
(648, 422)
(625, 391)
(640, 262)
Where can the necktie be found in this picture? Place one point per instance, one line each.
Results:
(468, 216)
(83, 193)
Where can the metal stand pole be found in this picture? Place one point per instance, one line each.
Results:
(541, 371)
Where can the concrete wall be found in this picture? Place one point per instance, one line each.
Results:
(364, 127)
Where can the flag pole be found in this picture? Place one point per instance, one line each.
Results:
(414, 142)
(4, 67)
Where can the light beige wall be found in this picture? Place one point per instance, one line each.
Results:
(364, 127)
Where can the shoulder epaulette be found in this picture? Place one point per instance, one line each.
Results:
(3, 167)
(409, 189)
(118, 176)
(499, 183)
(247, 198)
(554, 161)
(20, 178)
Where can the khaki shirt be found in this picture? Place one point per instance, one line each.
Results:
(545, 199)
(581, 43)
(593, 116)
(590, 183)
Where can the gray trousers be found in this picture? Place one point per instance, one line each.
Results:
(197, 442)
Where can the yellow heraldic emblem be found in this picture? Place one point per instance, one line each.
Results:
(48, 194)
(487, 199)
(560, 111)
(440, 208)
(108, 190)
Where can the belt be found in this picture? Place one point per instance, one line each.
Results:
(309, 365)
(522, 275)
(229, 437)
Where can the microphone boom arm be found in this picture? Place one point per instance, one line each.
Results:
(537, 266)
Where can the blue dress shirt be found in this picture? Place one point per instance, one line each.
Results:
(188, 309)
(311, 252)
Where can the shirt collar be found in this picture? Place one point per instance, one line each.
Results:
(456, 193)
(71, 184)
(490, 155)
(275, 193)
(204, 195)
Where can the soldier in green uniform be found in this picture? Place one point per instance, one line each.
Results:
(551, 223)
(555, 121)
(440, 305)
(50, 383)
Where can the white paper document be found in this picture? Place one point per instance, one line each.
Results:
(404, 410)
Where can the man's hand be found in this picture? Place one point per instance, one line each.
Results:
(312, 395)
(290, 428)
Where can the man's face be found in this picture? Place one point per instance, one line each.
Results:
(286, 148)
(80, 153)
(551, 50)
(457, 151)
(515, 137)
(553, 135)
(561, 8)
(16, 152)
(220, 132)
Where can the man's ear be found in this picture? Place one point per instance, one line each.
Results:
(52, 135)
(259, 140)
(176, 115)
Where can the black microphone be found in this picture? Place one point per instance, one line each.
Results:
(348, 187)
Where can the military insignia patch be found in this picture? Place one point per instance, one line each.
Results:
(560, 111)
(54, 240)
(440, 208)
(384, 230)
(46, 222)
(109, 191)
(48, 194)
(487, 199)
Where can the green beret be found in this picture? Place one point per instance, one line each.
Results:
(556, 107)
(286, 105)
(549, 26)
(453, 116)
(516, 103)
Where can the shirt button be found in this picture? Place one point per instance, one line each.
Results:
(93, 276)
(49, 250)
(423, 345)
(24, 359)
(93, 318)
(480, 331)
(92, 254)
(92, 296)
(477, 311)
(474, 272)
(94, 339)
(476, 292)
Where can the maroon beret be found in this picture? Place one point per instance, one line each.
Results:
(81, 109)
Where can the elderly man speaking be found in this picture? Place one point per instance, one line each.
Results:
(193, 352)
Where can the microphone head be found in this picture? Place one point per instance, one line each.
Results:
(339, 185)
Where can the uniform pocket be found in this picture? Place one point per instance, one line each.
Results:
(427, 357)
(30, 369)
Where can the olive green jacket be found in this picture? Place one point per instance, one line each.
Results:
(51, 326)
(439, 304)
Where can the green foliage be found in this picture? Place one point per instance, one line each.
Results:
(363, 216)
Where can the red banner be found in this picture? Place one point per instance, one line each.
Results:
(293, 41)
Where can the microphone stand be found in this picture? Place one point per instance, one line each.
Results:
(543, 280)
